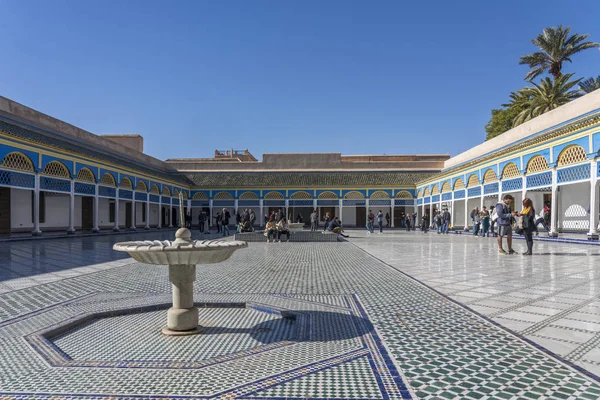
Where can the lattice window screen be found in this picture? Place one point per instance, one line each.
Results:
(490, 176)
(328, 195)
(459, 184)
(446, 187)
(572, 155)
(537, 164)
(426, 192)
(166, 191)
(126, 184)
(108, 180)
(379, 195)
(247, 196)
(223, 196)
(435, 190)
(473, 181)
(17, 161)
(141, 186)
(85, 175)
(200, 196)
(510, 171)
(56, 168)
(274, 196)
(404, 195)
(154, 189)
(354, 196)
(301, 196)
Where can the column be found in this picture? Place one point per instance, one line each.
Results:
(147, 211)
(235, 206)
(419, 220)
(367, 205)
(71, 229)
(287, 209)
(159, 212)
(36, 207)
(466, 213)
(210, 217)
(133, 219)
(341, 209)
(452, 211)
(594, 199)
(430, 212)
(262, 212)
(96, 227)
(392, 206)
(116, 227)
(554, 206)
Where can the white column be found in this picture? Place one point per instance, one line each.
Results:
(392, 206)
(430, 212)
(594, 199)
(452, 211)
(159, 211)
(262, 212)
(133, 219)
(96, 228)
(147, 211)
(554, 206)
(36, 207)
(116, 227)
(71, 229)
(235, 206)
(287, 209)
(466, 213)
(341, 210)
(367, 205)
(481, 199)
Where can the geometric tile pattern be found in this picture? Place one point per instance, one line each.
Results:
(543, 179)
(16, 179)
(512, 185)
(576, 173)
(360, 311)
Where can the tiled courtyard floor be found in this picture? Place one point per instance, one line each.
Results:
(321, 320)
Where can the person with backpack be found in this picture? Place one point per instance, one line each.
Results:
(225, 222)
(504, 219)
(370, 222)
(446, 217)
(380, 221)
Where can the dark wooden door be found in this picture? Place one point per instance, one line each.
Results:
(87, 213)
(4, 210)
(127, 214)
(174, 216)
(361, 216)
(398, 212)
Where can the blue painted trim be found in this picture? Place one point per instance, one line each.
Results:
(503, 164)
(583, 142)
(33, 156)
(79, 166)
(46, 159)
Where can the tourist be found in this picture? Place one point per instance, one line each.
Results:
(527, 222)
(446, 217)
(270, 230)
(335, 226)
(370, 222)
(314, 221)
(505, 217)
(547, 214)
(225, 222)
(484, 216)
(252, 218)
(493, 218)
(201, 221)
(279, 215)
(437, 222)
(425, 222)
(327, 221)
(541, 220)
(476, 219)
(283, 229)
(380, 221)
(238, 221)
(218, 222)
(266, 218)
(403, 220)
(299, 218)
(408, 221)
(387, 220)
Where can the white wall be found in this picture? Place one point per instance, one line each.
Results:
(20, 209)
(154, 213)
(104, 213)
(349, 216)
(573, 206)
(459, 213)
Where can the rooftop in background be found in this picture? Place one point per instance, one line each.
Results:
(245, 162)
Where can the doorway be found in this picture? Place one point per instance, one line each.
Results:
(361, 216)
(4, 210)
(174, 216)
(87, 213)
(127, 214)
(399, 217)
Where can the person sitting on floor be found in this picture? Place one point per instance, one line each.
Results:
(270, 230)
(283, 229)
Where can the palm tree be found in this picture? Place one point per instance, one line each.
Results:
(556, 47)
(547, 96)
(589, 85)
(518, 100)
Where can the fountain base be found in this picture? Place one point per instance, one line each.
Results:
(170, 332)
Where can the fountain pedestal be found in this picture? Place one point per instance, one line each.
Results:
(182, 256)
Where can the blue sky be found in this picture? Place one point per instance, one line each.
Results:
(349, 76)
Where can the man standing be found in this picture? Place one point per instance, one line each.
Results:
(201, 221)
(370, 221)
(314, 219)
(504, 224)
(446, 217)
(225, 222)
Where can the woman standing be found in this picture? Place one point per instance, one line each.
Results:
(484, 215)
(380, 221)
(528, 220)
